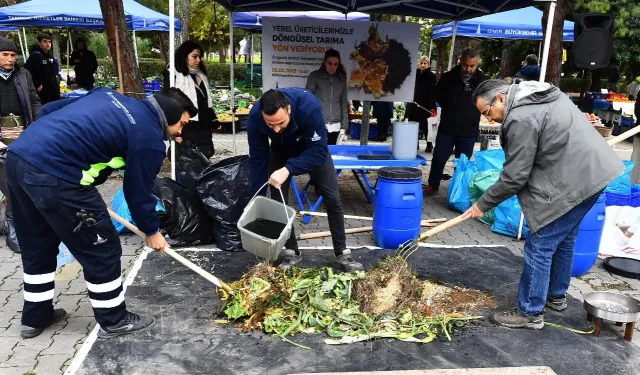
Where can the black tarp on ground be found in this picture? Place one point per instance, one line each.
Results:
(186, 341)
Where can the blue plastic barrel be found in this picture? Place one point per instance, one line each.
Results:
(588, 240)
(397, 207)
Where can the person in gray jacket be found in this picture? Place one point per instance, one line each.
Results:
(329, 85)
(557, 165)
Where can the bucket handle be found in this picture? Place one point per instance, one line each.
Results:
(281, 196)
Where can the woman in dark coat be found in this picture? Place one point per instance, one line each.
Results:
(191, 78)
(425, 96)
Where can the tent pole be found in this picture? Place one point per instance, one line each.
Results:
(547, 40)
(430, 47)
(251, 57)
(24, 36)
(24, 56)
(172, 74)
(68, 47)
(539, 51)
(135, 47)
(231, 96)
(453, 44)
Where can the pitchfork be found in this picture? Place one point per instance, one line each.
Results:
(410, 246)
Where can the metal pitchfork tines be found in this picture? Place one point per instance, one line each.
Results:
(410, 246)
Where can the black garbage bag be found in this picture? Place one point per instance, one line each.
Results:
(11, 236)
(190, 163)
(225, 191)
(184, 221)
(227, 237)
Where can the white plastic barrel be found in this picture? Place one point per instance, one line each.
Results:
(405, 140)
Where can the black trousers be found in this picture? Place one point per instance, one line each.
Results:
(332, 138)
(326, 183)
(444, 147)
(44, 212)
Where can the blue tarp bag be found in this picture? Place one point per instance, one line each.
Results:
(458, 191)
(489, 159)
(506, 218)
(622, 184)
(119, 206)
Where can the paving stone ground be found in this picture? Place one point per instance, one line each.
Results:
(52, 352)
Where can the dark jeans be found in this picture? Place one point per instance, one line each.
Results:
(442, 152)
(44, 212)
(326, 183)
(548, 259)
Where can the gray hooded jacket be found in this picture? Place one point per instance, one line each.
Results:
(331, 91)
(555, 159)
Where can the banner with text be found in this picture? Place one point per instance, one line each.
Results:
(380, 57)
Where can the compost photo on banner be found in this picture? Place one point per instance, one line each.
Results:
(380, 58)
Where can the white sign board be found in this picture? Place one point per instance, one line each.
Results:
(380, 57)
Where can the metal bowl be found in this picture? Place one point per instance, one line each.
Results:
(612, 306)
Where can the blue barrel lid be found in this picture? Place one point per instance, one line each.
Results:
(400, 173)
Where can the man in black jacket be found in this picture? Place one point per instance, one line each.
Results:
(85, 65)
(42, 67)
(460, 119)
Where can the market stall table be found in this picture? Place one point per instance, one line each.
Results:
(358, 159)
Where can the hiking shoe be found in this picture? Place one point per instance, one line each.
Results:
(513, 319)
(132, 323)
(429, 148)
(558, 304)
(29, 332)
(290, 259)
(430, 190)
(347, 262)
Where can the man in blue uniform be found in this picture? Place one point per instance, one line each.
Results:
(292, 119)
(52, 170)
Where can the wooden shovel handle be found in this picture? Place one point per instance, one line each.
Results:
(623, 136)
(441, 227)
(308, 236)
(424, 223)
(219, 283)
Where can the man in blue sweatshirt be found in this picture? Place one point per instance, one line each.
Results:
(52, 170)
(292, 119)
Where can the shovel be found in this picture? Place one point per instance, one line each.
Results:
(217, 282)
(423, 223)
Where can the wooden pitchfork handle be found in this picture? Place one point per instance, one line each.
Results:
(442, 227)
(217, 282)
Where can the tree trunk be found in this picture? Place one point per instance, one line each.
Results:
(554, 64)
(113, 15)
(55, 46)
(507, 64)
(223, 55)
(441, 45)
(163, 47)
(184, 18)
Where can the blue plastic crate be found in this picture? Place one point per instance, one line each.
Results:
(632, 199)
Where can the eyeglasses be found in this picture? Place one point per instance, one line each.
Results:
(486, 113)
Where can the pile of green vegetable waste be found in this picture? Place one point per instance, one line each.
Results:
(386, 302)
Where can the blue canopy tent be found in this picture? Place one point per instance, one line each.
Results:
(515, 24)
(81, 14)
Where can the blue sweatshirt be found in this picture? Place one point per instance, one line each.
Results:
(304, 139)
(82, 140)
